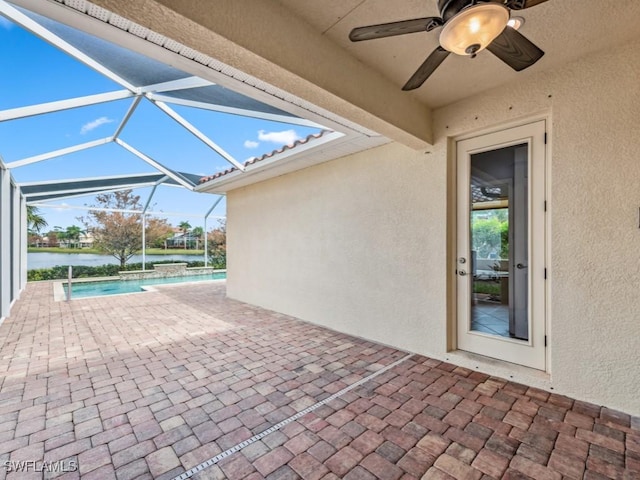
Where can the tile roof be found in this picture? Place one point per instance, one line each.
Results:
(254, 160)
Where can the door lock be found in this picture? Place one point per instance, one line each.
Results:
(462, 273)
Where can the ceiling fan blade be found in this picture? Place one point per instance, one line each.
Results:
(522, 4)
(395, 28)
(515, 49)
(432, 62)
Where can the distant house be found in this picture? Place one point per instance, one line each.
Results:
(38, 241)
(85, 240)
(179, 238)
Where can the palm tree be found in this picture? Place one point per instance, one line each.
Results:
(185, 226)
(73, 235)
(35, 221)
(62, 237)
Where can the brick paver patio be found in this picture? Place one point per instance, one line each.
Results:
(152, 385)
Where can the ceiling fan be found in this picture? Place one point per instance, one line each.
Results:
(469, 26)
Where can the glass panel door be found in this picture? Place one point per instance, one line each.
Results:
(501, 235)
(498, 230)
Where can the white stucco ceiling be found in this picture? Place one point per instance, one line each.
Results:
(564, 29)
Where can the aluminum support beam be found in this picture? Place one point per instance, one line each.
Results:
(77, 207)
(198, 134)
(127, 116)
(157, 165)
(206, 242)
(78, 192)
(5, 242)
(175, 85)
(132, 176)
(272, 117)
(214, 206)
(146, 205)
(57, 106)
(144, 239)
(59, 153)
(29, 24)
(23, 242)
(144, 227)
(162, 180)
(16, 242)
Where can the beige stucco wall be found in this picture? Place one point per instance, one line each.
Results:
(360, 244)
(354, 244)
(594, 194)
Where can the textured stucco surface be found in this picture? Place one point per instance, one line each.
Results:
(353, 244)
(360, 244)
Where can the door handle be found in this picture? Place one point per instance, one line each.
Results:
(520, 266)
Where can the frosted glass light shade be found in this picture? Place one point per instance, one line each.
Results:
(474, 28)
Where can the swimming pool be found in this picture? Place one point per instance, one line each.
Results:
(114, 287)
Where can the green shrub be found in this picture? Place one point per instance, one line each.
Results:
(486, 287)
(60, 272)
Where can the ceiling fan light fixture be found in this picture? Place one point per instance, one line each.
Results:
(474, 28)
(515, 22)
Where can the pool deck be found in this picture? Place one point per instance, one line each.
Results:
(153, 385)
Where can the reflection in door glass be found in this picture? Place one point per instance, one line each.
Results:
(499, 242)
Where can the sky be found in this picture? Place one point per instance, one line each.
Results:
(34, 72)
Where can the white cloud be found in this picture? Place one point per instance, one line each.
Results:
(285, 137)
(87, 127)
(251, 144)
(6, 24)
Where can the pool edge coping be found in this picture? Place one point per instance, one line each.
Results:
(59, 295)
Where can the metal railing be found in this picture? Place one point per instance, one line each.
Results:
(69, 283)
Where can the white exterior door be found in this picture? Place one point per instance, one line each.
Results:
(500, 264)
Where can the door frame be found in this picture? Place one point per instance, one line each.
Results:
(543, 293)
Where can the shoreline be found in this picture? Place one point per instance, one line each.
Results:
(88, 251)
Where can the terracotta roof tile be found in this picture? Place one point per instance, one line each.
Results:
(254, 160)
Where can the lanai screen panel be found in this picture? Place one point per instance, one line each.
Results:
(152, 106)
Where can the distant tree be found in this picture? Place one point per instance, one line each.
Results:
(61, 236)
(116, 233)
(72, 235)
(33, 239)
(157, 231)
(35, 221)
(184, 226)
(217, 245)
(504, 239)
(52, 237)
(488, 236)
(198, 234)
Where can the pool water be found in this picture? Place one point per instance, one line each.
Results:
(113, 287)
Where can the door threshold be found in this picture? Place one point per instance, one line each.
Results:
(499, 368)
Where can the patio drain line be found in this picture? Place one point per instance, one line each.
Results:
(236, 448)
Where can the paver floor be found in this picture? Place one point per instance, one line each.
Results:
(152, 385)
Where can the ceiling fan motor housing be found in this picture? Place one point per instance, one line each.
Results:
(450, 8)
